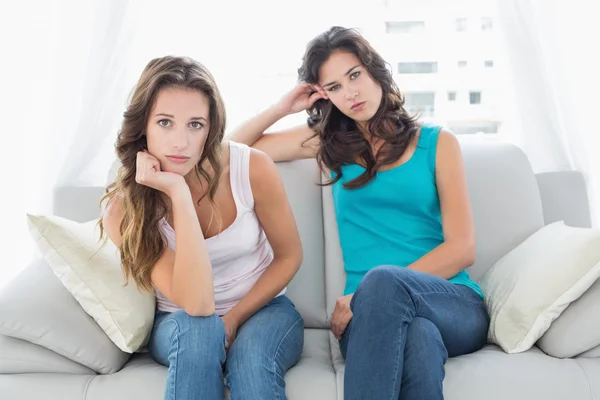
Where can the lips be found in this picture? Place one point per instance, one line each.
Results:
(178, 159)
(358, 106)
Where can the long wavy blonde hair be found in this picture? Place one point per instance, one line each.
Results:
(144, 207)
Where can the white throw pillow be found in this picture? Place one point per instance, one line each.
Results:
(533, 284)
(91, 270)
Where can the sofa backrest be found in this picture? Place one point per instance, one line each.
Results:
(505, 198)
(504, 195)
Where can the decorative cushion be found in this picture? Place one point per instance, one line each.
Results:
(90, 269)
(528, 288)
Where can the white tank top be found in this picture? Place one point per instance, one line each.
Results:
(241, 253)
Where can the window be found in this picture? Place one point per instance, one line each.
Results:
(451, 96)
(417, 67)
(487, 24)
(422, 103)
(395, 27)
(475, 97)
(462, 64)
(461, 24)
(489, 63)
(490, 127)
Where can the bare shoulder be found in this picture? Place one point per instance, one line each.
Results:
(448, 146)
(112, 217)
(224, 153)
(449, 156)
(264, 175)
(260, 164)
(447, 138)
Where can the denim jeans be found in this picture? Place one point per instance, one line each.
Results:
(405, 325)
(266, 346)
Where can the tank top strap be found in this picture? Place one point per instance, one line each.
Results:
(239, 171)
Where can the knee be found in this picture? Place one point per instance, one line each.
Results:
(424, 342)
(383, 282)
(198, 337)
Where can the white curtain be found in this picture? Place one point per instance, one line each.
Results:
(64, 92)
(69, 67)
(553, 60)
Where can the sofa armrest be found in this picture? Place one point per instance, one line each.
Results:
(77, 203)
(564, 197)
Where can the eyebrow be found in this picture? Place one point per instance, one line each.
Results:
(346, 74)
(171, 116)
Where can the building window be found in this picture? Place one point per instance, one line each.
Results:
(489, 63)
(417, 67)
(487, 24)
(461, 24)
(451, 96)
(462, 64)
(420, 103)
(394, 27)
(475, 97)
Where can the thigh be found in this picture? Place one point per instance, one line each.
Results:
(457, 311)
(275, 332)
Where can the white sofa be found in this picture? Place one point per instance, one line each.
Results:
(74, 360)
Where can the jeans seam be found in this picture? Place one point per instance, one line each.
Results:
(176, 345)
(277, 352)
(397, 358)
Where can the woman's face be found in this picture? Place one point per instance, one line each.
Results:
(350, 87)
(177, 128)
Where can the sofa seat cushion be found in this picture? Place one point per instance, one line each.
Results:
(591, 368)
(492, 374)
(311, 378)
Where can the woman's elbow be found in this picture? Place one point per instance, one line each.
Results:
(202, 310)
(468, 253)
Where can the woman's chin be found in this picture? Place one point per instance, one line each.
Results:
(179, 170)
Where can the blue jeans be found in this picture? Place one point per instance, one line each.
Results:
(266, 346)
(404, 327)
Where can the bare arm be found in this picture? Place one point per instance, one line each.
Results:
(185, 276)
(275, 215)
(458, 250)
(289, 144)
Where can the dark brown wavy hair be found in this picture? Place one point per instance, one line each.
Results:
(144, 207)
(342, 142)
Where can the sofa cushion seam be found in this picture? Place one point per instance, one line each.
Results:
(87, 386)
(586, 378)
(65, 369)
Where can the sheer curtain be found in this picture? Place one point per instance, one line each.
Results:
(554, 63)
(73, 64)
(64, 94)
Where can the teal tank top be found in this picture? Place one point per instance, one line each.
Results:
(393, 220)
